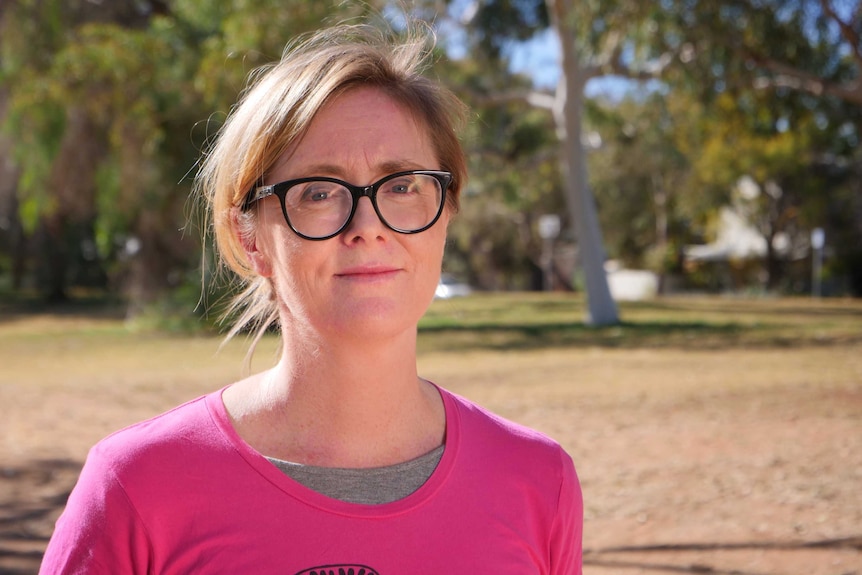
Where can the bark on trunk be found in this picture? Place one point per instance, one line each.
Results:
(602, 309)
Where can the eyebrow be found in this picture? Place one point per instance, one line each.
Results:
(338, 171)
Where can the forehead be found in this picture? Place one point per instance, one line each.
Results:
(363, 132)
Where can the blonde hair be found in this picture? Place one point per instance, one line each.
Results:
(275, 111)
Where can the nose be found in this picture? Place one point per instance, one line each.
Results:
(365, 224)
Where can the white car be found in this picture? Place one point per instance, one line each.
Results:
(450, 287)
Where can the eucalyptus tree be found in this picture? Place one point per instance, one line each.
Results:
(596, 38)
(513, 171)
(761, 159)
(56, 142)
(640, 175)
(109, 106)
(809, 46)
(782, 81)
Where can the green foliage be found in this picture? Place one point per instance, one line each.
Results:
(742, 101)
(514, 178)
(639, 175)
(148, 82)
(737, 102)
(499, 23)
(136, 78)
(38, 132)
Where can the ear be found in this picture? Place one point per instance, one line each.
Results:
(246, 234)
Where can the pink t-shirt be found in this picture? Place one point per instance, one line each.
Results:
(183, 493)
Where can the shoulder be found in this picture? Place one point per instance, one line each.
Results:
(533, 477)
(477, 419)
(134, 483)
(168, 439)
(491, 437)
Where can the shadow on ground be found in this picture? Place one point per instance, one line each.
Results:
(626, 335)
(32, 495)
(661, 558)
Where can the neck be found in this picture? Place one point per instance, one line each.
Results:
(360, 404)
(352, 379)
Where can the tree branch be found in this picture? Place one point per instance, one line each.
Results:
(847, 31)
(610, 57)
(610, 63)
(788, 76)
(652, 71)
(535, 98)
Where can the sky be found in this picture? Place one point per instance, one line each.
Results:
(537, 57)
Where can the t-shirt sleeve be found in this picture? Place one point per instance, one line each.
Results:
(568, 527)
(99, 530)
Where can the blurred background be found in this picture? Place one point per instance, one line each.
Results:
(642, 148)
(658, 260)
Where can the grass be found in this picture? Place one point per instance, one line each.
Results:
(530, 321)
(472, 335)
(507, 321)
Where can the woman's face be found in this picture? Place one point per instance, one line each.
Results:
(369, 281)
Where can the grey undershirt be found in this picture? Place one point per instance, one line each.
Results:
(372, 486)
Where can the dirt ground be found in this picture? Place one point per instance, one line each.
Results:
(745, 461)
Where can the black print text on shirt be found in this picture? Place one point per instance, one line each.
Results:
(340, 570)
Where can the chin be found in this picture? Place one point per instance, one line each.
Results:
(375, 318)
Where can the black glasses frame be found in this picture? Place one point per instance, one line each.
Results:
(280, 190)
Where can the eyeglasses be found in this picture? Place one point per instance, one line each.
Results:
(320, 208)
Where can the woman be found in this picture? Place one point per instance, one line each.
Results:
(331, 187)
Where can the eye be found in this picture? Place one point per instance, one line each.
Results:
(317, 192)
(400, 186)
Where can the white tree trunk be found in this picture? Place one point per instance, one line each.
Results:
(568, 114)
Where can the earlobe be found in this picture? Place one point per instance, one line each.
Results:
(245, 233)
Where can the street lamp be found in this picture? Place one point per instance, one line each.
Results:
(818, 239)
(549, 229)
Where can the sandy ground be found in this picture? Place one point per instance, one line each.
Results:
(724, 461)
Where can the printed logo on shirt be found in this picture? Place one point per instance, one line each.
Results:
(340, 570)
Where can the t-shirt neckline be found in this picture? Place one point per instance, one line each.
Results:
(258, 463)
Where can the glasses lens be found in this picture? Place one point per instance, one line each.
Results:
(317, 209)
(410, 202)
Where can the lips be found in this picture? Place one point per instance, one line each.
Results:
(369, 271)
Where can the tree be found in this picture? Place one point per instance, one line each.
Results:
(102, 137)
(640, 174)
(810, 46)
(57, 152)
(596, 39)
(781, 81)
(568, 109)
(514, 177)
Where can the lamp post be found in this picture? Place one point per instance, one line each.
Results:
(549, 229)
(818, 239)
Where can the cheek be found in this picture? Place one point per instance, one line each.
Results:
(297, 265)
(440, 230)
(276, 245)
(432, 251)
